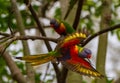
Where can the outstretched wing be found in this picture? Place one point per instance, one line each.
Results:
(73, 39)
(83, 67)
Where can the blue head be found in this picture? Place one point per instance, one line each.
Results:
(85, 53)
(54, 23)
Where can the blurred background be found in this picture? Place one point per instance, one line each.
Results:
(94, 15)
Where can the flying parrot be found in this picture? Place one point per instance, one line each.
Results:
(65, 43)
(70, 54)
(71, 61)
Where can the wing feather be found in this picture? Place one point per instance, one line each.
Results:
(72, 39)
(79, 68)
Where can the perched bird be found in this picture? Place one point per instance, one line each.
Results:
(70, 54)
(61, 27)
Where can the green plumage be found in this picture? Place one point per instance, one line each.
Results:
(61, 27)
(69, 29)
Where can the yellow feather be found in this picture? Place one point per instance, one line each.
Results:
(39, 62)
(77, 34)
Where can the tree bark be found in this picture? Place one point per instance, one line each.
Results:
(21, 28)
(15, 72)
(73, 77)
(102, 46)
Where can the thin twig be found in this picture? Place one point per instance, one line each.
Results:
(71, 5)
(4, 46)
(36, 18)
(46, 72)
(4, 39)
(100, 32)
(41, 30)
(35, 38)
(14, 38)
(11, 30)
(4, 34)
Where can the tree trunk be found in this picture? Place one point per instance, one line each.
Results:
(21, 27)
(73, 77)
(15, 71)
(102, 46)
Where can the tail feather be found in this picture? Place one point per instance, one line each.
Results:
(42, 61)
(37, 59)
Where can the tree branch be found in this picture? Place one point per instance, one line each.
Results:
(40, 28)
(4, 34)
(11, 39)
(56, 40)
(16, 73)
(64, 74)
(34, 38)
(100, 32)
(78, 14)
(26, 51)
(4, 39)
(71, 5)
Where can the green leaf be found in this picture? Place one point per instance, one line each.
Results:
(37, 77)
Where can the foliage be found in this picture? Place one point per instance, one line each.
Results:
(4, 72)
(58, 13)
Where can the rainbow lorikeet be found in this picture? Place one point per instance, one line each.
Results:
(69, 54)
(74, 58)
(65, 43)
(61, 27)
(71, 61)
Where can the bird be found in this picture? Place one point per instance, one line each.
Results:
(61, 27)
(68, 41)
(69, 54)
(71, 61)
